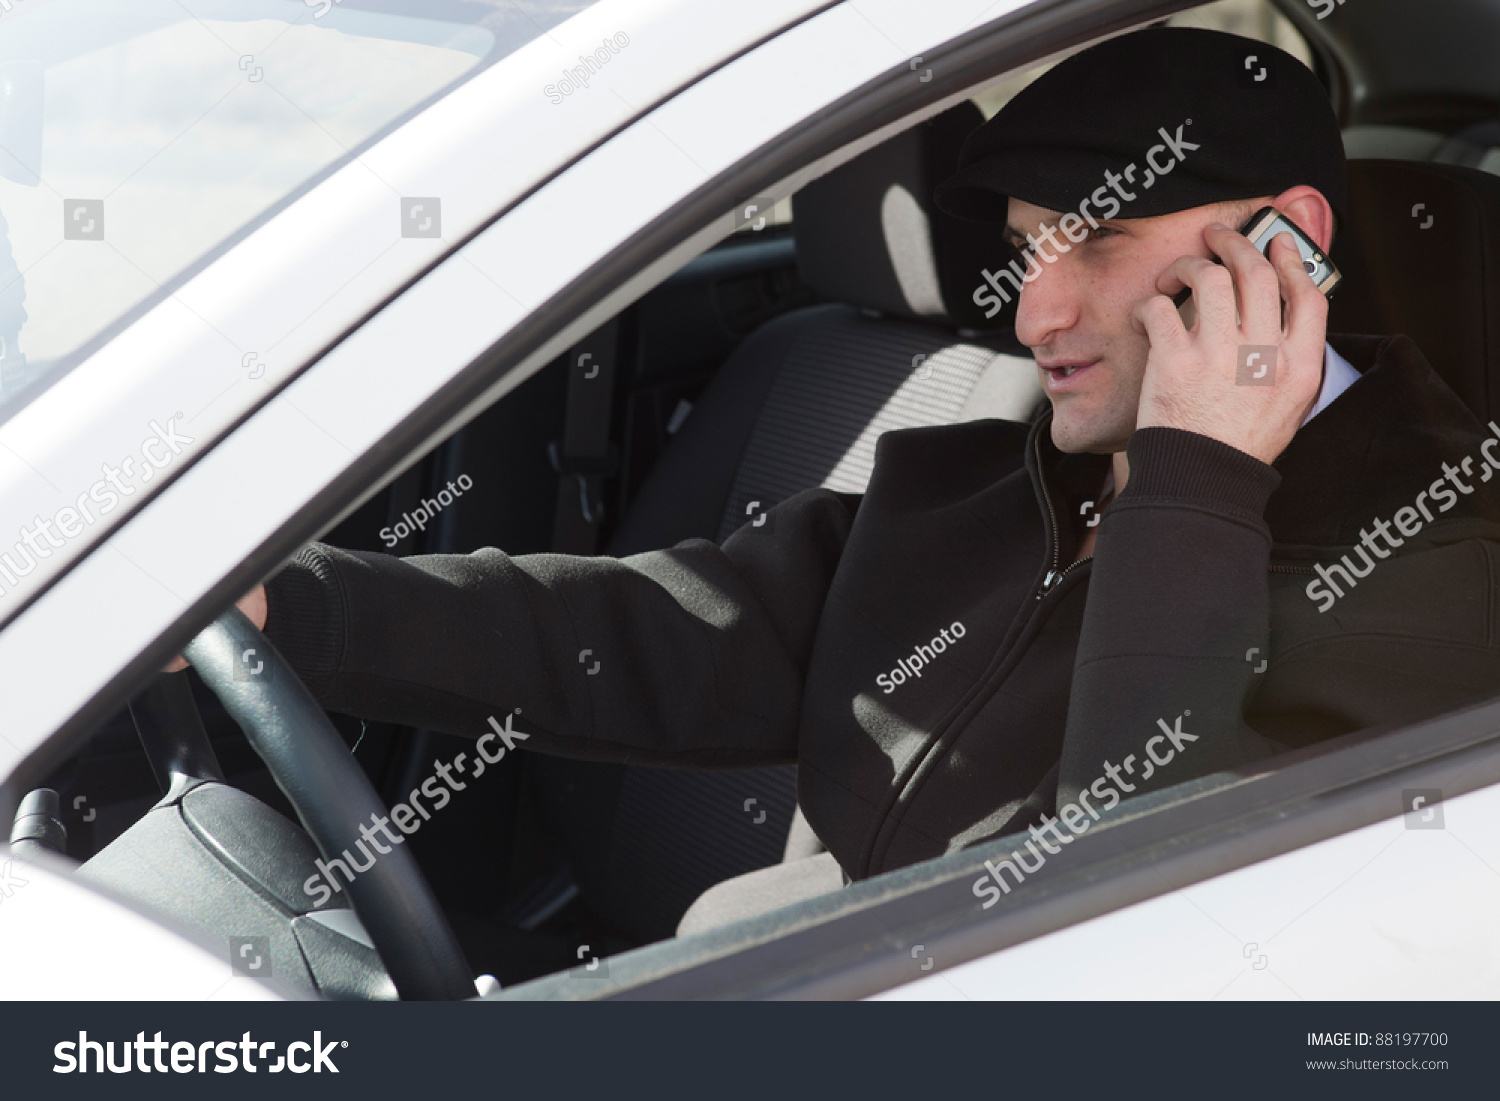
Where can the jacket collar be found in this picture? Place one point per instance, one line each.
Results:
(1377, 447)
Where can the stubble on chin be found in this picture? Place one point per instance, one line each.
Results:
(1100, 434)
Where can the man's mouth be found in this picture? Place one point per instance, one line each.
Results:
(1066, 374)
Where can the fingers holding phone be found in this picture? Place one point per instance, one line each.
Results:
(1248, 368)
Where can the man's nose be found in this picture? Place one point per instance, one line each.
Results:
(1048, 304)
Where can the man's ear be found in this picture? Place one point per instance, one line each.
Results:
(1307, 207)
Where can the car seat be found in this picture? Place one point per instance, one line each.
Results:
(897, 343)
(1417, 254)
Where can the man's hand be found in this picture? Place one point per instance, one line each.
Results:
(1192, 376)
(253, 604)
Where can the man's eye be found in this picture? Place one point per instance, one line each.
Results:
(1103, 231)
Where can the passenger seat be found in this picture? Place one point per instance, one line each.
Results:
(800, 403)
(1419, 254)
(1476, 146)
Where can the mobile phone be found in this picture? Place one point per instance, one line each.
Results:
(1262, 228)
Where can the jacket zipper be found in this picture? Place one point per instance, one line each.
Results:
(1057, 572)
(1054, 577)
(987, 682)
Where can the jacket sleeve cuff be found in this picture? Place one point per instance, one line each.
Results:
(1189, 467)
(305, 616)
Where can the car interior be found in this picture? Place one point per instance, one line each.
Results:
(769, 364)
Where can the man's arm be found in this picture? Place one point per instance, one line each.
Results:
(1179, 596)
(689, 656)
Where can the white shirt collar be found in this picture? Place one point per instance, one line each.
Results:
(1338, 376)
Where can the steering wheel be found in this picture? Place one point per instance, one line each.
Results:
(333, 798)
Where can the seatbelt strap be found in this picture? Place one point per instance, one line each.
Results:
(585, 457)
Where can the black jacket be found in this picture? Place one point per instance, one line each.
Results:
(925, 654)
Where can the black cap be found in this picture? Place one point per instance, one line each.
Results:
(1226, 117)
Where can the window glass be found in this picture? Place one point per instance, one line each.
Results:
(137, 137)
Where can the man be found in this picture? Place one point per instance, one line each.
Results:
(972, 647)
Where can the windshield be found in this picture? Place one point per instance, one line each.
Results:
(137, 138)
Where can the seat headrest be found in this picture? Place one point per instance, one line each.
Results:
(869, 235)
(1417, 254)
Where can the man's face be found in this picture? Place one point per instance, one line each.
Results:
(1076, 315)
